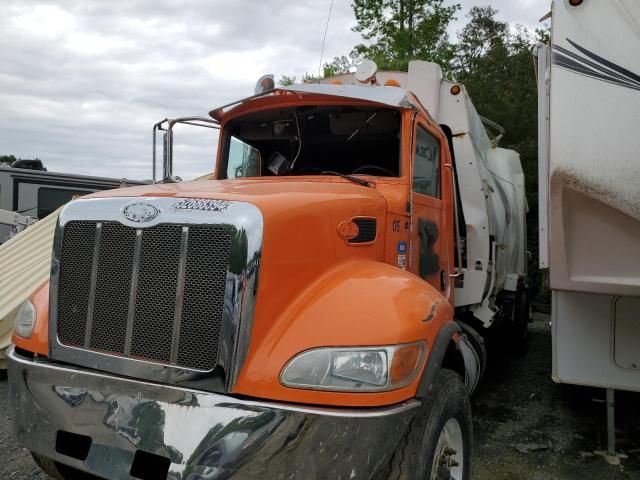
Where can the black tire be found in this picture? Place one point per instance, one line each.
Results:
(519, 329)
(58, 471)
(447, 399)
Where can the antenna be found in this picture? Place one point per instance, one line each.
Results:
(324, 38)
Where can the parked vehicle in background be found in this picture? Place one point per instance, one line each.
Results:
(589, 98)
(36, 193)
(315, 310)
(28, 193)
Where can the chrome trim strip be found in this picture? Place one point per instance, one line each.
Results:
(177, 317)
(246, 222)
(135, 269)
(92, 287)
(223, 400)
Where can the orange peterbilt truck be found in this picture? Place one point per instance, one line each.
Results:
(315, 309)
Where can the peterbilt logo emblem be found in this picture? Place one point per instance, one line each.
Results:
(140, 212)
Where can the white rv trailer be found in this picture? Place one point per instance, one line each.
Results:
(589, 167)
(37, 193)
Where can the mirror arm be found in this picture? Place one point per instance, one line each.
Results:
(167, 163)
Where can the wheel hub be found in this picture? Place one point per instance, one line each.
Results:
(448, 461)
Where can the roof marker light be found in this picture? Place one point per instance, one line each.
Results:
(456, 89)
(264, 84)
(366, 71)
(392, 82)
(336, 82)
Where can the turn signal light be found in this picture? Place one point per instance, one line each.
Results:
(405, 362)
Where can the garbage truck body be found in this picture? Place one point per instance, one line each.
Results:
(314, 309)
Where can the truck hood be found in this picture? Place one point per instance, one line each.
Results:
(269, 196)
(300, 227)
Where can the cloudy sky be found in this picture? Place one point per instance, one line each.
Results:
(83, 81)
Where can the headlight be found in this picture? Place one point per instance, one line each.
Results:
(25, 320)
(357, 369)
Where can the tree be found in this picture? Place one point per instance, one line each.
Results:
(337, 66)
(286, 80)
(7, 160)
(404, 30)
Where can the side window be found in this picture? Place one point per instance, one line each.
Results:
(426, 166)
(50, 199)
(243, 161)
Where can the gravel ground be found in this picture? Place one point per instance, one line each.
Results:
(517, 406)
(17, 463)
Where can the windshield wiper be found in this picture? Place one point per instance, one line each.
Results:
(357, 180)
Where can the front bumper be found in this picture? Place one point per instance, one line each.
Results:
(203, 435)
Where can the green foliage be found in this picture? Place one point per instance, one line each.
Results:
(6, 160)
(286, 80)
(402, 30)
(337, 66)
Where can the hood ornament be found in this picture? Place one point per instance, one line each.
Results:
(140, 212)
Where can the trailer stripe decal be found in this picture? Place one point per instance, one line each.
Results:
(585, 62)
(591, 64)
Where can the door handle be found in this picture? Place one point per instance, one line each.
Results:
(443, 284)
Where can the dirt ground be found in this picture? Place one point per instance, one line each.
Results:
(517, 407)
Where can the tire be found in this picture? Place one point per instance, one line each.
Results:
(57, 471)
(425, 452)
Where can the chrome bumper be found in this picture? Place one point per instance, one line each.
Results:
(203, 435)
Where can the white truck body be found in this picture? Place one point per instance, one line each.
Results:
(491, 187)
(589, 87)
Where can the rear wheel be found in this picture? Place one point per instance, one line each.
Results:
(438, 443)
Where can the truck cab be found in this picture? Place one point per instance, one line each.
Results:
(300, 312)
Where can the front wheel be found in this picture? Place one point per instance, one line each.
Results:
(438, 443)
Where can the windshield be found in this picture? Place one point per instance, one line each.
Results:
(313, 140)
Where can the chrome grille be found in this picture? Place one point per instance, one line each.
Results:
(155, 294)
(108, 324)
(78, 244)
(159, 258)
(196, 333)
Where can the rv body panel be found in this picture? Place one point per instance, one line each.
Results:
(589, 98)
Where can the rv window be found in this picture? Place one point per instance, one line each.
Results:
(426, 164)
(49, 199)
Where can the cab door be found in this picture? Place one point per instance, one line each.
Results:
(429, 234)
